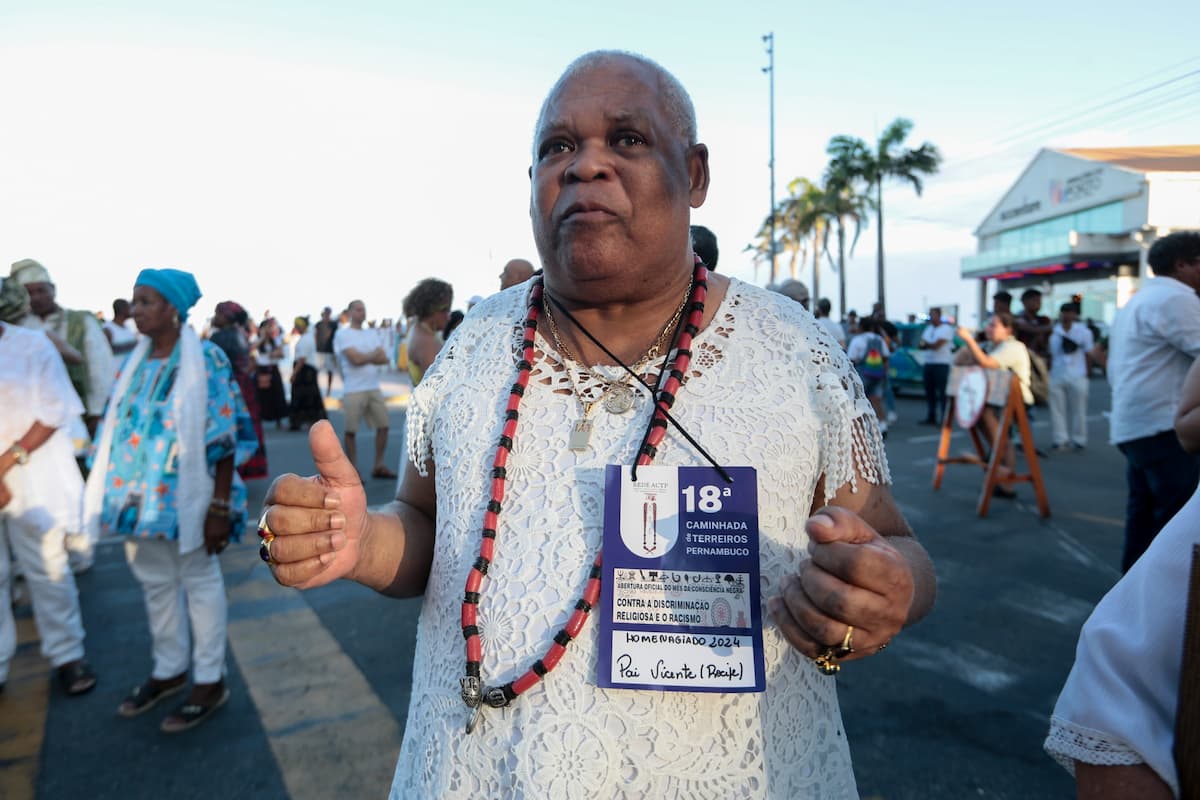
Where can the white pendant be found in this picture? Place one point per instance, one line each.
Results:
(618, 398)
(581, 436)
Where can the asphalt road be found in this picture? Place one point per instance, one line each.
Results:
(957, 707)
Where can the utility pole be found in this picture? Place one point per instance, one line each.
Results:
(769, 40)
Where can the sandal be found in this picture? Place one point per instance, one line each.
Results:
(189, 715)
(145, 697)
(383, 472)
(77, 677)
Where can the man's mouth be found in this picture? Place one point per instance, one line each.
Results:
(587, 212)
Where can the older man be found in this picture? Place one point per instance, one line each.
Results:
(76, 334)
(518, 270)
(616, 170)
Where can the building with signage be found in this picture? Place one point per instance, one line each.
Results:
(1080, 221)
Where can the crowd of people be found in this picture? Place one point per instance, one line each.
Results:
(164, 425)
(627, 330)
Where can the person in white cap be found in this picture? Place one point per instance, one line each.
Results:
(77, 335)
(89, 360)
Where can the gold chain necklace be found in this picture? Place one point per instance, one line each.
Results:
(617, 395)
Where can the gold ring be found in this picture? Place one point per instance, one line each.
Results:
(827, 661)
(847, 646)
(264, 530)
(264, 550)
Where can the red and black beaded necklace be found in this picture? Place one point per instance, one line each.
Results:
(474, 694)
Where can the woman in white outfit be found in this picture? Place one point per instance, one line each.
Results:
(40, 493)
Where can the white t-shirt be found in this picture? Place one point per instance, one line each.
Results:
(270, 352)
(934, 334)
(1073, 365)
(306, 348)
(1153, 341)
(123, 339)
(861, 344)
(364, 340)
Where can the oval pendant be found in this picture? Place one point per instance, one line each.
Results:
(618, 398)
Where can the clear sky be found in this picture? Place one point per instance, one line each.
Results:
(297, 154)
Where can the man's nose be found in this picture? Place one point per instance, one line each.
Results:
(592, 161)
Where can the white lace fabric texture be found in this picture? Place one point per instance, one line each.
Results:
(1067, 743)
(767, 387)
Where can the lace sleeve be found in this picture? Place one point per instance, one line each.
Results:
(851, 444)
(1068, 743)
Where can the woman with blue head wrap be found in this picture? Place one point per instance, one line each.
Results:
(163, 476)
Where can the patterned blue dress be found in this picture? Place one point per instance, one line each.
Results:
(143, 468)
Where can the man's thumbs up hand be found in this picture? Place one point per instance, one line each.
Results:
(317, 522)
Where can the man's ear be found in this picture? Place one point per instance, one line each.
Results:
(697, 163)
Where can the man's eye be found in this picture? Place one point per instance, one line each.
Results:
(629, 140)
(553, 148)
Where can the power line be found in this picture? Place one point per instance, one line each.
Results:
(1190, 111)
(1111, 107)
(1076, 120)
(1138, 109)
(1071, 110)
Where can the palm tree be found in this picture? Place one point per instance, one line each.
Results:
(760, 247)
(889, 159)
(844, 203)
(803, 216)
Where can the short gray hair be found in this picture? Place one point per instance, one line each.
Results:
(791, 288)
(675, 99)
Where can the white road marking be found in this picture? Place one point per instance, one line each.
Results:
(983, 669)
(330, 733)
(1048, 604)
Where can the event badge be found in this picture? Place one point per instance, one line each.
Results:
(680, 608)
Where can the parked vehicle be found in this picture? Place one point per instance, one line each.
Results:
(907, 365)
(906, 369)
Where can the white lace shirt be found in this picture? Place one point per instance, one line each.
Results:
(767, 387)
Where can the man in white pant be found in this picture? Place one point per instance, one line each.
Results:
(40, 494)
(1069, 345)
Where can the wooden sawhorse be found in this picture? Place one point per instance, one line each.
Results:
(1000, 384)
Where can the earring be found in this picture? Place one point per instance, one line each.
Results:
(175, 318)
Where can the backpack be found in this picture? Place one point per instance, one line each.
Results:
(871, 365)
